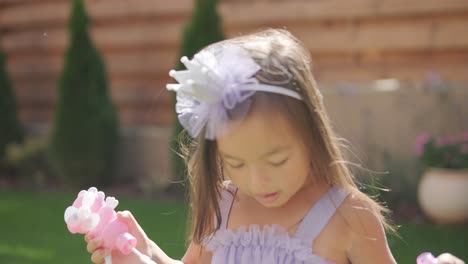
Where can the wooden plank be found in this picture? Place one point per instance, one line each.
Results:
(160, 117)
(125, 8)
(58, 12)
(36, 14)
(414, 66)
(158, 63)
(34, 115)
(452, 33)
(46, 98)
(40, 76)
(160, 35)
(50, 41)
(135, 85)
(436, 33)
(133, 35)
(262, 13)
(416, 34)
(155, 95)
(133, 63)
(155, 83)
(49, 66)
(127, 117)
(416, 59)
(233, 13)
(453, 72)
(31, 70)
(23, 2)
(146, 98)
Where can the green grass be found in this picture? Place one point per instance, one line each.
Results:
(418, 238)
(32, 230)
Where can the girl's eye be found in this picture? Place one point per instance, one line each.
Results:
(237, 166)
(279, 163)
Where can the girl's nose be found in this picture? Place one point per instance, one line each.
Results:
(258, 179)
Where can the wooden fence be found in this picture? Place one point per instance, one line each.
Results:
(352, 40)
(353, 43)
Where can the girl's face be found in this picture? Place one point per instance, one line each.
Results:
(265, 158)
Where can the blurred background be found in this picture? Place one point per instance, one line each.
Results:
(83, 103)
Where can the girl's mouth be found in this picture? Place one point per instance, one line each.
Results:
(268, 198)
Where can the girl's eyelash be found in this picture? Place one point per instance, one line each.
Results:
(279, 163)
(236, 166)
(272, 163)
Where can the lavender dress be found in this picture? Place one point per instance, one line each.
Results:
(272, 244)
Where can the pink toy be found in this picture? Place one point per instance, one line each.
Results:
(426, 258)
(94, 215)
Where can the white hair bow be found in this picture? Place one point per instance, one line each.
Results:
(214, 83)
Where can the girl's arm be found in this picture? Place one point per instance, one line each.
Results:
(160, 257)
(368, 243)
(196, 255)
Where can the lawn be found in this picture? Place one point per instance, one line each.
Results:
(33, 230)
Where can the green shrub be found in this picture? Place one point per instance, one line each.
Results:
(29, 161)
(85, 133)
(10, 129)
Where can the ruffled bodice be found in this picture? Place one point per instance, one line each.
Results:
(271, 244)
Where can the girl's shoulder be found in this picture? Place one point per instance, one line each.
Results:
(363, 222)
(360, 232)
(367, 240)
(358, 213)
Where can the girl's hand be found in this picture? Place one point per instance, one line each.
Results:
(448, 258)
(144, 244)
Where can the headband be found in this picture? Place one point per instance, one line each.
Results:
(213, 84)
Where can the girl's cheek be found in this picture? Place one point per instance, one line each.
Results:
(232, 174)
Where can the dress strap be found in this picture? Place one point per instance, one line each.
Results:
(225, 204)
(320, 213)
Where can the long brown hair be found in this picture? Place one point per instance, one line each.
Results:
(285, 62)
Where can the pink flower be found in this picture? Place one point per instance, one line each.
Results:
(443, 141)
(421, 140)
(452, 139)
(464, 137)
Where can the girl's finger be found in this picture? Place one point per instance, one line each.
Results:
(93, 244)
(447, 258)
(98, 256)
(127, 217)
(87, 238)
(133, 226)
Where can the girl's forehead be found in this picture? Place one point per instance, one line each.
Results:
(258, 132)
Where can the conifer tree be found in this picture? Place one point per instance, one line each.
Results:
(10, 129)
(85, 133)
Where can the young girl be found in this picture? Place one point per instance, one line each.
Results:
(268, 181)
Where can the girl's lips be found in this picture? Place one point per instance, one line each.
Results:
(268, 198)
